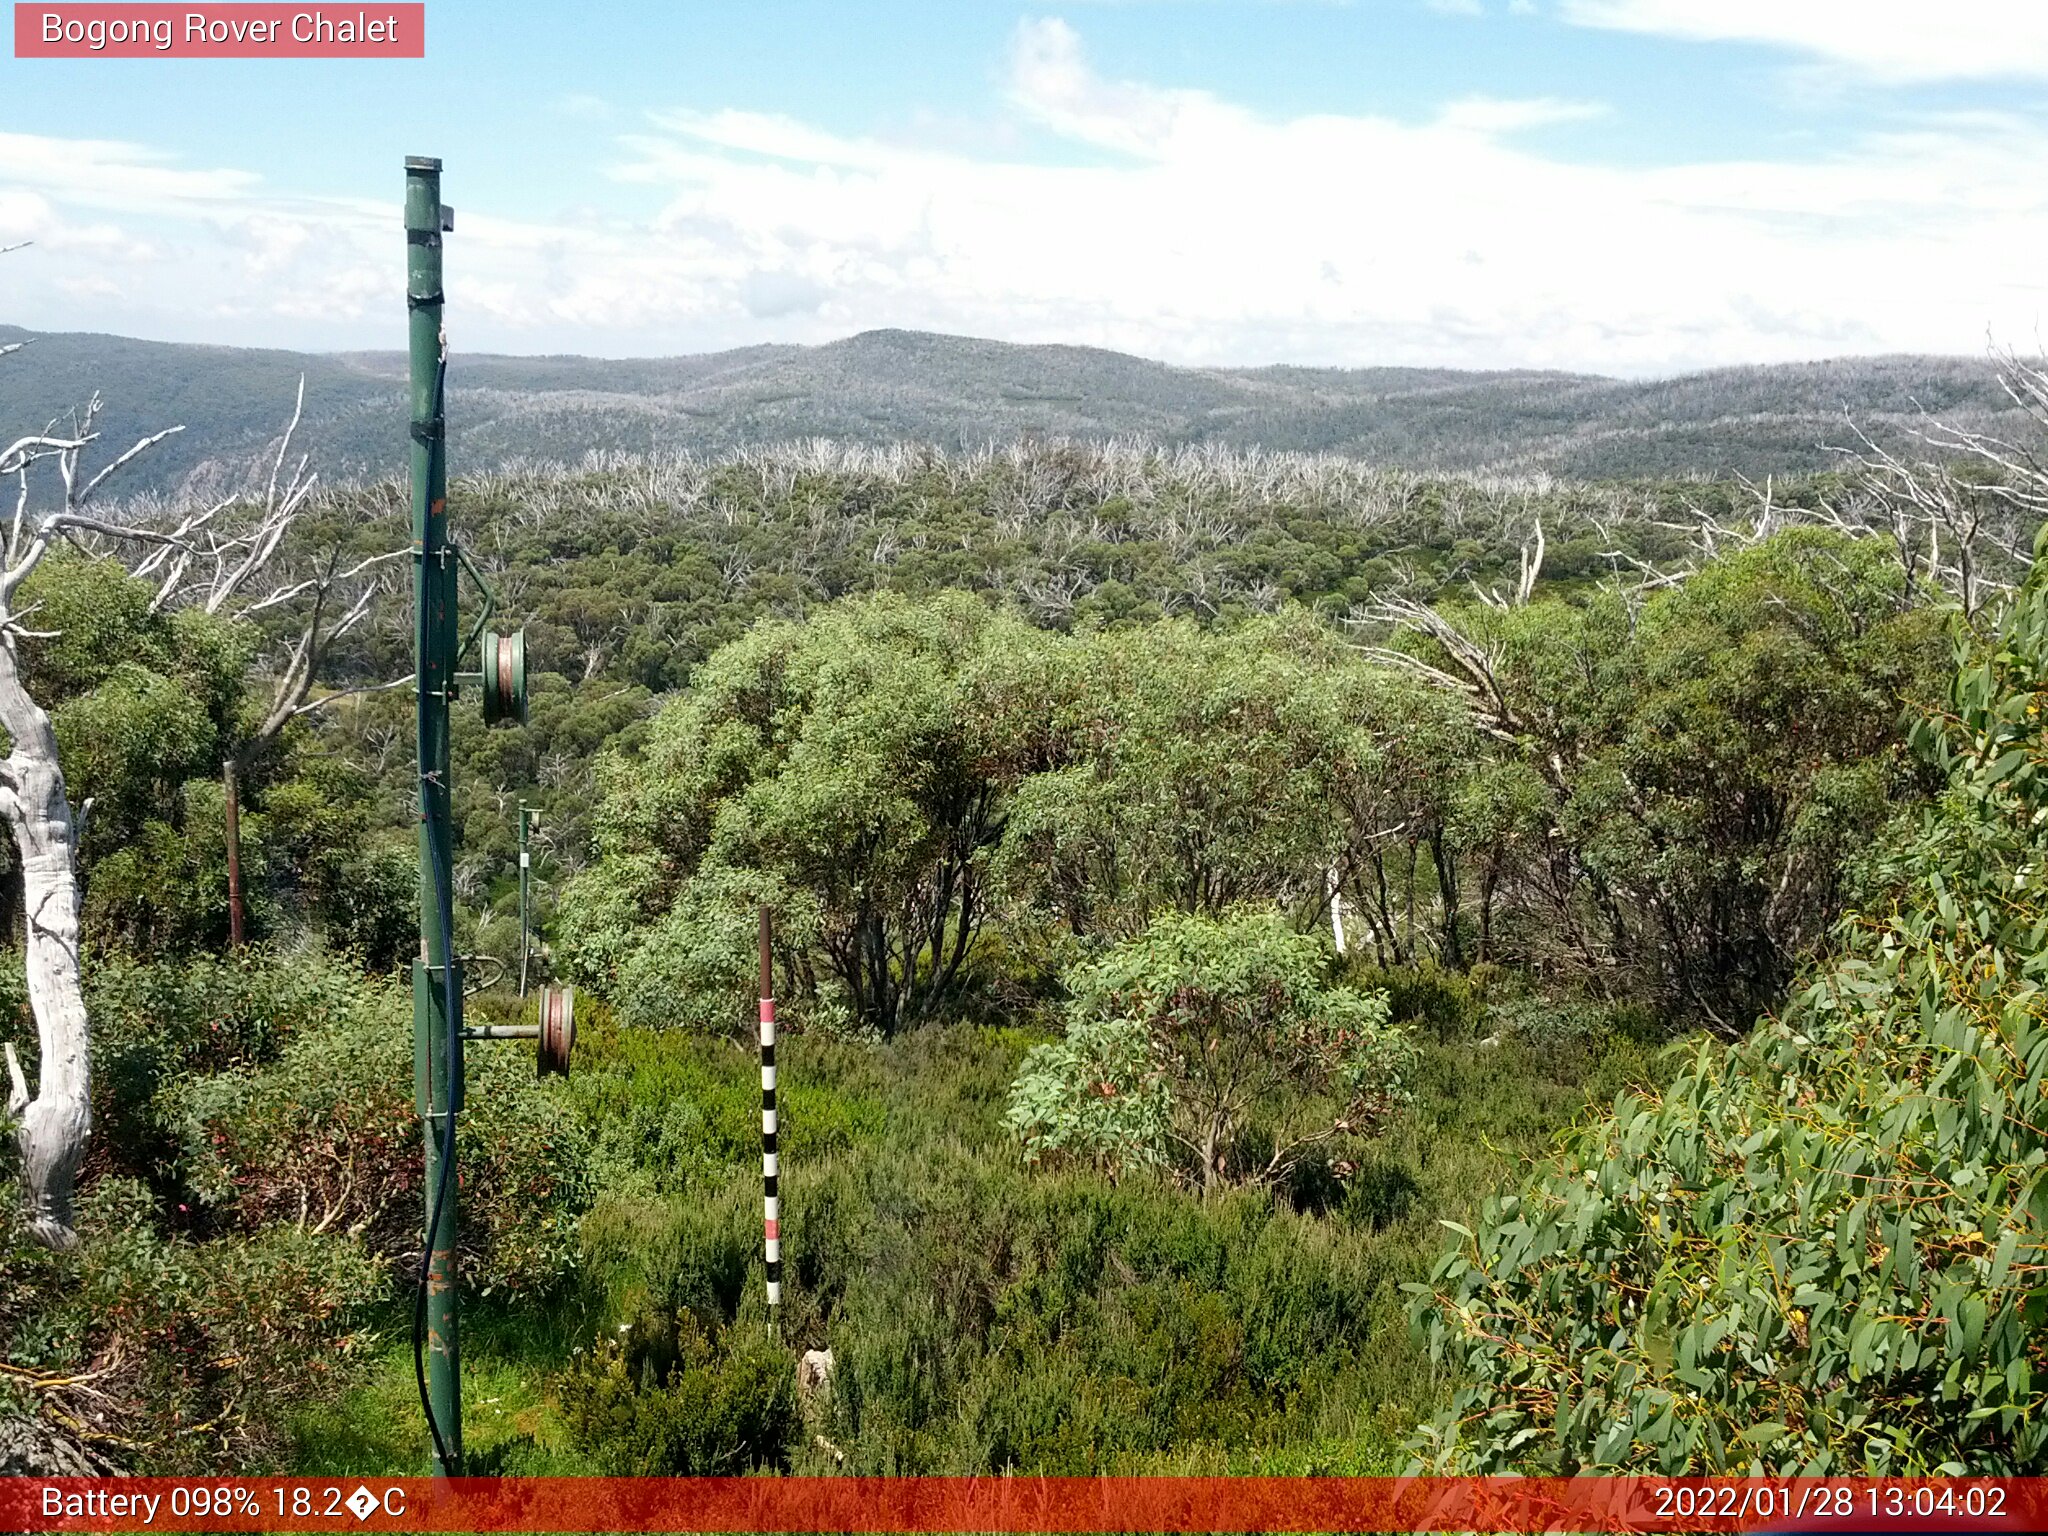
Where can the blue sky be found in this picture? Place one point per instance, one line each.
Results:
(1628, 186)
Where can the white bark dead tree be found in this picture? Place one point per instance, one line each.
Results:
(210, 557)
(216, 552)
(1963, 513)
(53, 1123)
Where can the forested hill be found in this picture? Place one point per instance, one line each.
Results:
(886, 386)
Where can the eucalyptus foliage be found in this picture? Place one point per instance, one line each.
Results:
(1196, 770)
(848, 771)
(1214, 1044)
(1826, 1249)
(1096, 1097)
(176, 1353)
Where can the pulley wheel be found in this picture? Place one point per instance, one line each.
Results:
(557, 1029)
(504, 669)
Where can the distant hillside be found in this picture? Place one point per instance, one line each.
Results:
(956, 391)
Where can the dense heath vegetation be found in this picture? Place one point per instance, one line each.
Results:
(1063, 770)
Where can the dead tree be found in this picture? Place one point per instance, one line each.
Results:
(231, 558)
(1970, 534)
(215, 557)
(52, 1124)
(1472, 661)
(1525, 581)
(1959, 507)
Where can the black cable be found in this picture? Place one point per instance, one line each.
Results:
(445, 1181)
(444, 885)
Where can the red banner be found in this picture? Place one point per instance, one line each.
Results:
(359, 31)
(1018, 1504)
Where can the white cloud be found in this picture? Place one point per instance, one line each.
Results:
(1175, 224)
(1214, 234)
(770, 295)
(1892, 40)
(108, 173)
(203, 254)
(1456, 7)
(1051, 81)
(24, 214)
(1492, 114)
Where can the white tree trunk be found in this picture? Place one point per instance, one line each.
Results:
(1336, 888)
(56, 1122)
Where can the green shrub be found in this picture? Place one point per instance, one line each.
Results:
(324, 863)
(1818, 1252)
(668, 1111)
(164, 890)
(1217, 1038)
(848, 769)
(15, 1017)
(1569, 1024)
(671, 1400)
(191, 1350)
(675, 1256)
(157, 1025)
(1449, 1004)
(983, 1321)
(324, 1136)
(985, 1314)
(1097, 1096)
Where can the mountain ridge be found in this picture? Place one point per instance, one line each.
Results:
(891, 385)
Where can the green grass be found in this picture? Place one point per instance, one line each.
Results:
(511, 1424)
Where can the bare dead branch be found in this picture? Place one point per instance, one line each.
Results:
(313, 705)
(24, 451)
(121, 463)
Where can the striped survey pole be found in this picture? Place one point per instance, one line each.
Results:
(771, 1222)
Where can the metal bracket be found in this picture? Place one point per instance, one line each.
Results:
(490, 601)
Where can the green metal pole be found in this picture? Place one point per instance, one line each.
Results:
(437, 1042)
(525, 862)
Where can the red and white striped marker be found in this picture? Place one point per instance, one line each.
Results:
(771, 1222)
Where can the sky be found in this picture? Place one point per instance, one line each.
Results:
(1630, 187)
